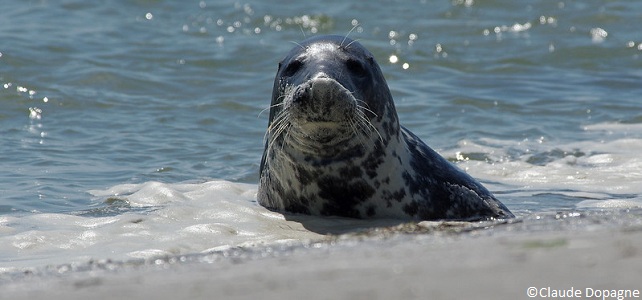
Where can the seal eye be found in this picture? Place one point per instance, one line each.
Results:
(355, 67)
(293, 67)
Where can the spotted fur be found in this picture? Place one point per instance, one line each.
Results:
(334, 146)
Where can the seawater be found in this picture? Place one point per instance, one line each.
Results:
(135, 129)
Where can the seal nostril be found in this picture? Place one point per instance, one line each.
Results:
(301, 95)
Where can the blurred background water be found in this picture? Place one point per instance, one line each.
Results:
(540, 100)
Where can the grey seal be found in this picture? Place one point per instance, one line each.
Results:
(334, 146)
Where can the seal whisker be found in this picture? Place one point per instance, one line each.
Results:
(365, 108)
(276, 122)
(353, 41)
(366, 122)
(269, 107)
(346, 37)
(279, 124)
(361, 109)
(276, 127)
(358, 129)
(286, 137)
(364, 128)
(298, 44)
(279, 132)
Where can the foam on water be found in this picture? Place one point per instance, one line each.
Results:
(176, 219)
(601, 173)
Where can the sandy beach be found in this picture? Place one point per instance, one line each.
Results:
(534, 258)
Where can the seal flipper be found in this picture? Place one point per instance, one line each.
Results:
(449, 192)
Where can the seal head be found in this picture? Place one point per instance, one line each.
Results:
(334, 145)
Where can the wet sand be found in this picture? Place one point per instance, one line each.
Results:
(429, 261)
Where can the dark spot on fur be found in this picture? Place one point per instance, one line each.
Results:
(411, 208)
(374, 159)
(342, 196)
(397, 196)
(371, 211)
(410, 182)
(387, 129)
(395, 155)
(350, 172)
(304, 176)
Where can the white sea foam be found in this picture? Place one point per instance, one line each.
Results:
(182, 218)
(608, 169)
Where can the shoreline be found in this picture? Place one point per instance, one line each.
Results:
(583, 253)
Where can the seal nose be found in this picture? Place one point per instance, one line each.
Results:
(304, 93)
(301, 95)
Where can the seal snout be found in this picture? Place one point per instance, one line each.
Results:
(323, 99)
(322, 110)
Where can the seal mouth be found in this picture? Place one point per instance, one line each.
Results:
(324, 132)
